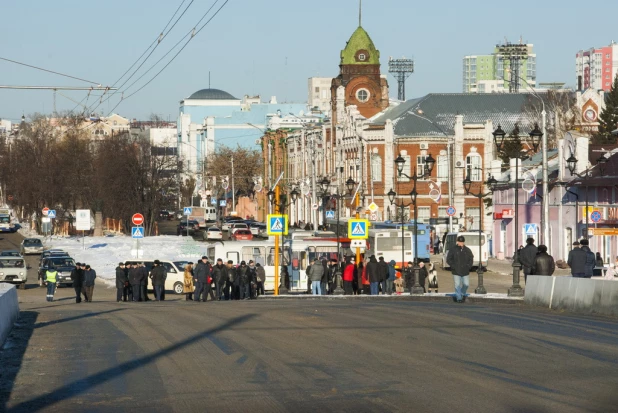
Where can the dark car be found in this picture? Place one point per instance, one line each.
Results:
(165, 215)
(194, 226)
(63, 265)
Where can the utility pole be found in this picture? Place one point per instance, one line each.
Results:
(233, 190)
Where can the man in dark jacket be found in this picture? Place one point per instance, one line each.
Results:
(330, 275)
(260, 276)
(460, 259)
(543, 263)
(201, 274)
(243, 278)
(229, 280)
(408, 274)
(590, 258)
(144, 281)
(219, 272)
(77, 276)
(383, 271)
(373, 274)
(121, 283)
(577, 261)
(527, 256)
(135, 279)
(89, 277)
(158, 275)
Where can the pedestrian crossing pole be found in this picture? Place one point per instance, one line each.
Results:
(357, 203)
(276, 243)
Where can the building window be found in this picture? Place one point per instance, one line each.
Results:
(473, 167)
(442, 212)
(442, 167)
(376, 168)
(472, 219)
(420, 165)
(362, 57)
(362, 95)
(405, 170)
(424, 213)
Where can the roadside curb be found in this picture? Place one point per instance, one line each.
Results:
(472, 298)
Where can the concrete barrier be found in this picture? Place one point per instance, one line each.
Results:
(580, 295)
(9, 310)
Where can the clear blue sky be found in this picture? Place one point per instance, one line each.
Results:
(247, 45)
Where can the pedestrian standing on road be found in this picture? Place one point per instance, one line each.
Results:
(408, 275)
(436, 246)
(348, 277)
(201, 273)
(577, 261)
(252, 279)
(121, 283)
(77, 276)
(373, 273)
(127, 289)
(392, 276)
(218, 272)
(527, 256)
(315, 274)
(422, 275)
(324, 281)
(144, 281)
(460, 259)
(383, 270)
(83, 268)
(51, 276)
(243, 281)
(598, 267)
(590, 258)
(89, 277)
(135, 279)
(543, 263)
(234, 282)
(158, 275)
(228, 292)
(261, 278)
(188, 282)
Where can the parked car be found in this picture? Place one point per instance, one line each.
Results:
(213, 233)
(194, 226)
(165, 215)
(257, 227)
(10, 253)
(181, 264)
(53, 252)
(31, 246)
(228, 221)
(242, 235)
(239, 225)
(13, 270)
(175, 275)
(63, 265)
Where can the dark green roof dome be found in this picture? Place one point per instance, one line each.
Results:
(360, 41)
(212, 94)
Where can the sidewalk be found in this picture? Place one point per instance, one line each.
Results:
(448, 297)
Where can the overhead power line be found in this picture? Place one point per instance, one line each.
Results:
(49, 71)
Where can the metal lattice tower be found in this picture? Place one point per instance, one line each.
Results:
(401, 69)
(514, 54)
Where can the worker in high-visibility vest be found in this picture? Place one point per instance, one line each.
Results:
(50, 278)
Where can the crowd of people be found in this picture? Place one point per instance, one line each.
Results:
(83, 278)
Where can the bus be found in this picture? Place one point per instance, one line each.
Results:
(387, 243)
(296, 255)
(472, 242)
(423, 236)
(6, 223)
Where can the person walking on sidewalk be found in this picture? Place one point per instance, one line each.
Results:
(383, 271)
(89, 277)
(158, 276)
(460, 259)
(543, 263)
(188, 282)
(590, 258)
(373, 273)
(135, 279)
(260, 275)
(577, 261)
(122, 281)
(77, 276)
(50, 279)
(392, 275)
(348, 277)
(315, 274)
(527, 256)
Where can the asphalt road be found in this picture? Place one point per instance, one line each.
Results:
(302, 356)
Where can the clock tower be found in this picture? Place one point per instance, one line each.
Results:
(359, 82)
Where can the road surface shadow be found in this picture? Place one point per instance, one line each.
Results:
(77, 317)
(12, 354)
(85, 384)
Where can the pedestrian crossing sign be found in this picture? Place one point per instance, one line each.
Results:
(137, 232)
(187, 210)
(530, 229)
(277, 224)
(358, 229)
(330, 214)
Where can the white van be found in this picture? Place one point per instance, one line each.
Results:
(472, 242)
(175, 280)
(13, 270)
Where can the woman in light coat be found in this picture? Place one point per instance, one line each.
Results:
(188, 287)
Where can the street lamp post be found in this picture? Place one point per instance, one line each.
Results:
(491, 183)
(400, 162)
(514, 151)
(273, 197)
(324, 183)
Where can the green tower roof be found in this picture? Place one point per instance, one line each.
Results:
(360, 40)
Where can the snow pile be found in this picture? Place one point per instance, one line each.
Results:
(104, 253)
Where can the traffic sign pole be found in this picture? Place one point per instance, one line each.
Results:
(357, 217)
(276, 244)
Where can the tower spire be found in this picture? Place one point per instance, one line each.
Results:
(360, 13)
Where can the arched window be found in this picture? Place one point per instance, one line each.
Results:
(473, 167)
(376, 168)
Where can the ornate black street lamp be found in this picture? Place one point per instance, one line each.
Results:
(400, 162)
(514, 150)
(572, 165)
(491, 183)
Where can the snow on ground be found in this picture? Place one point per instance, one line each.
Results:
(104, 253)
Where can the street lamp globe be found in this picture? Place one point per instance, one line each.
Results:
(601, 162)
(271, 195)
(350, 184)
(467, 183)
(492, 183)
(400, 162)
(294, 194)
(324, 184)
(499, 135)
(391, 196)
(430, 162)
(536, 136)
(571, 163)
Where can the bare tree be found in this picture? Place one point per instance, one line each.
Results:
(561, 111)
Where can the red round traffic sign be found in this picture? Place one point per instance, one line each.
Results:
(45, 211)
(138, 219)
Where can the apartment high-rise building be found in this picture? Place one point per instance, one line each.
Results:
(496, 72)
(596, 68)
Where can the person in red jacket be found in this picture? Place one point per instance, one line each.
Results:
(348, 277)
